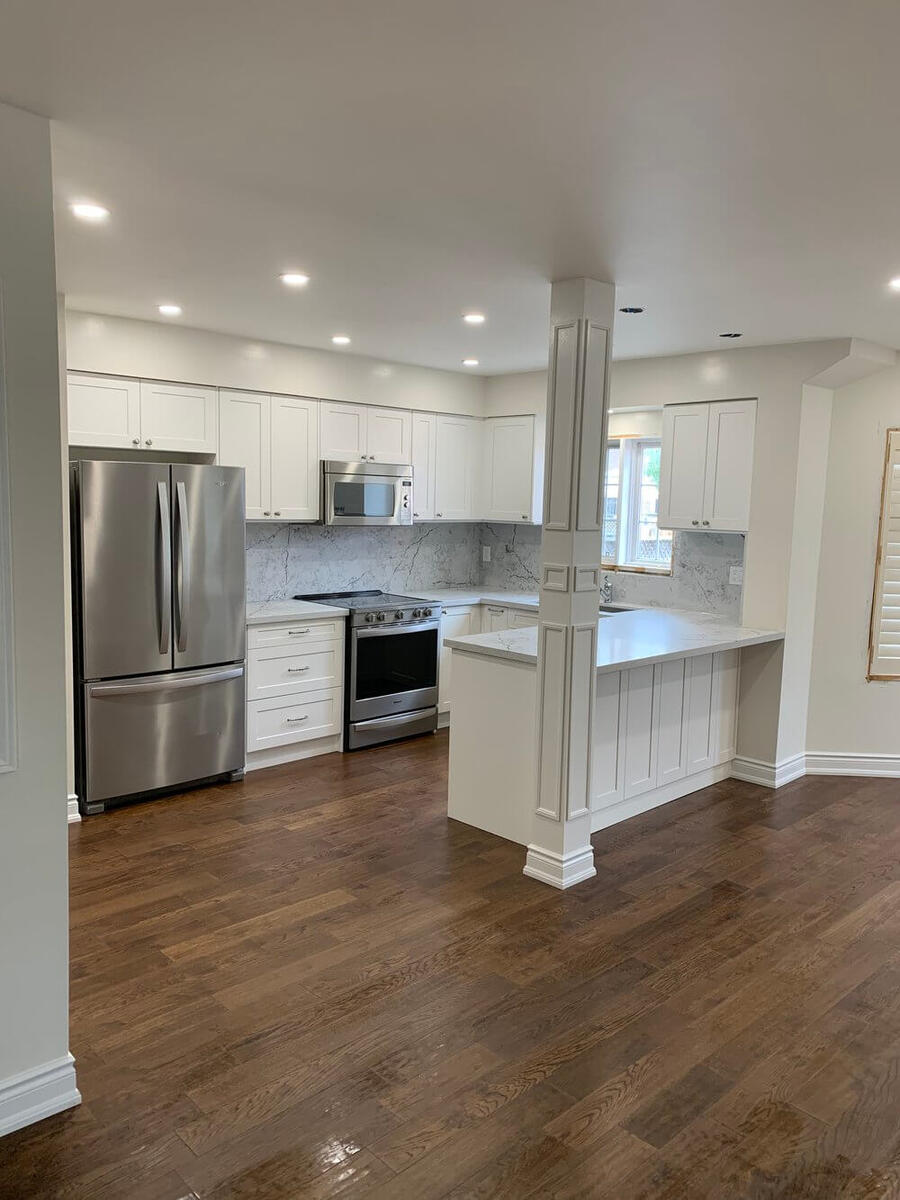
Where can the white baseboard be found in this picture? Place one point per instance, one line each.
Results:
(74, 814)
(623, 810)
(820, 763)
(559, 870)
(769, 774)
(276, 756)
(33, 1095)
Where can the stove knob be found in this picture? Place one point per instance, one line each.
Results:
(379, 616)
(370, 617)
(426, 612)
(417, 612)
(399, 614)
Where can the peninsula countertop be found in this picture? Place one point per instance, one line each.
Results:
(628, 639)
(476, 594)
(265, 612)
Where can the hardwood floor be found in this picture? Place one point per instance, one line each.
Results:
(313, 985)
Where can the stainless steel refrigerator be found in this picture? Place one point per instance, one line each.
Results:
(159, 627)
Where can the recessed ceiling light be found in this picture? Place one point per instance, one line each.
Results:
(474, 318)
(294, 279)
(894, 284)
(470, 362)
(89, 212)
(341, 339)
(731, 335)
(170, 310)
(631, 310)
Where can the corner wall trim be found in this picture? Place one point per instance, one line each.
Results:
(819, 762)
(768, 774)
(32, 1095)
(74, 814)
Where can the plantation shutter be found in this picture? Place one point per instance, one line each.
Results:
(884, 639)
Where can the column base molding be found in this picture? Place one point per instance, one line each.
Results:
(32, 1095)
(559, 870)
(769, 774)
(72, 809)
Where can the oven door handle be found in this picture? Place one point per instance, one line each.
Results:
(367, 631)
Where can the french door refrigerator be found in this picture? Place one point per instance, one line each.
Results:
(159, 627)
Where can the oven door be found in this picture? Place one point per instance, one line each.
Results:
(393, 669)
(367, 500)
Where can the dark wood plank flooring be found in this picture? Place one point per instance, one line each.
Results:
(313, 985)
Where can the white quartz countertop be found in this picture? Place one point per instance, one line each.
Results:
(475, 594)
(628, 639)
(272, 611)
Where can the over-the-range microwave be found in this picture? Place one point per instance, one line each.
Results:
(366, 493)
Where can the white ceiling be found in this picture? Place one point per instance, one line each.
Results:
(730, 165)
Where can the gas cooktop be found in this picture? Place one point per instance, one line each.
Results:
(373, 606)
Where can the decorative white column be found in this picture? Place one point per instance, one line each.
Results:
(581, 323)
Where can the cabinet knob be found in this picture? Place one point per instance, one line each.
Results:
(695, 522)
(135, 441)
(706, 522)
(149, 442)
(266, 514)
(524, 516)
(415, 514)
(278, 514)
(438, 514)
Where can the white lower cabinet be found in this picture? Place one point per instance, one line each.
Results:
(520, 619)
(458, 621)
(494, 617)
(295, 690)
(658, 725)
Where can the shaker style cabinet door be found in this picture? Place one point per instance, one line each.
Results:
(508, 468)
(456, 442)
(424, 431)
(244, 441)
(389, 435)
(344, 431)
(104, 411)
(295, 459)
(175, 416)
(729, 465)
(683, 466)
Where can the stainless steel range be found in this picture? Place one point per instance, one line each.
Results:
(391, 688)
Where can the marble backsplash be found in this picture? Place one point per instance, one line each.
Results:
(699, 579)
(283, 560)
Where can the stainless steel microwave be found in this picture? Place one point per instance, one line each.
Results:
(366, 493)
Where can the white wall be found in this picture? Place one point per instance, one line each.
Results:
(33, 859)
(152, 350)
(848, 715)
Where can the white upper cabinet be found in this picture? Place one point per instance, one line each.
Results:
(389, 435)
(424, 438)
(276, 440)
(104, 411)
(175, 416)
(456, 446)
(358, 432)
(245, 441)
(707, 465)
(343, 431)
(295, 459)
(511, 487)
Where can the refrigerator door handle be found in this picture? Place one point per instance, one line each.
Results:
(165, 683)
(164, 570)
(183, 567)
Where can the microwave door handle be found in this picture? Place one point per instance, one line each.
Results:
(164, 570)
(183, 590)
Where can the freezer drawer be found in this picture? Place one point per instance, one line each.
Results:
(159, 731)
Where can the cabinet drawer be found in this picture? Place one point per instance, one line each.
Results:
(285, 670)
(300, 719)
(297, 633)
(520, 619)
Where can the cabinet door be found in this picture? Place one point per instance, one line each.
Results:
(494, 618)
(729, 465)
(424, 432)
(295, 458)
(518, 619)
(726, 681)
(104, 411)
(682, 466)
(508, 468)
(177, 417)
(455, 622)
(389, 435)
(606, 781)
(343, 431)
(669, 720)
(455, 446)
(637, 743)
(701, 730)
(244, 425)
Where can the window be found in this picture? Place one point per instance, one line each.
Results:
(884, 631)
(632, 540)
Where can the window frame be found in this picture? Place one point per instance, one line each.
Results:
(630, 446)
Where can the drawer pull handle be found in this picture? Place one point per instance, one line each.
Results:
(296, 632)
(295, 720)
(296, 670)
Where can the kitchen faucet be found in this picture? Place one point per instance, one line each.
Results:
(606, 590)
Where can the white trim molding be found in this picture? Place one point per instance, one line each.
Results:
(559, 870)
(819, 762)
(7, 643)
(32, 1095)
(72, 809)
(769, 774)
